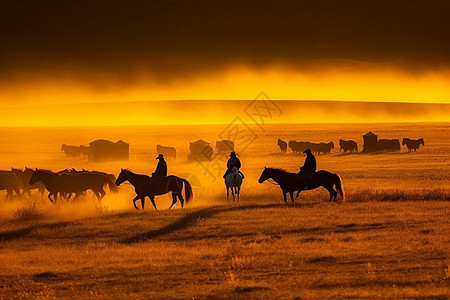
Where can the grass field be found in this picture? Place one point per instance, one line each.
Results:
(388, 240)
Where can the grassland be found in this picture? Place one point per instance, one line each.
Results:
(304, 251)
(388, 240)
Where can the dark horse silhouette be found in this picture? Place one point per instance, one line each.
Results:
(144, 187)
(67, 184)
(289, 182)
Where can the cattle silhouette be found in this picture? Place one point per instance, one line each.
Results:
(316, 148)
(324, 147)
(168, 152)
(225, 146)
(104, 150)
(200, 150)
(283, 145)
(72, 151)
(413, 144)
(349, 145)
(297, 147)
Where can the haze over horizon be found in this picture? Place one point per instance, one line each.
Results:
(67, 53)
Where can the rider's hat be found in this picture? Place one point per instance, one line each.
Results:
(307, 151)
(160, 156)
(232, 154)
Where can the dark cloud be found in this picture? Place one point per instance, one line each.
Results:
(120, 38)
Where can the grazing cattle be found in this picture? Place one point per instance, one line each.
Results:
(104, 150)
(200, 150)
(297, 147)
(169, 152)
(85, 151)
(412, 144)
(283, 145)
(388, 145)
(349, 145)
(225, 146)
(324, 147)
(72, 151)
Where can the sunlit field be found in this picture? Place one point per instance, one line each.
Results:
(389, 239)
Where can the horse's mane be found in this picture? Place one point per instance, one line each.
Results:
(278, 170)
(46, 171)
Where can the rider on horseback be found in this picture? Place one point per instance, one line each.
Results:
(160, 172)
(233, 162)
(308, 169)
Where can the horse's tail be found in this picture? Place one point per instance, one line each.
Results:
(112, 186)
(339, 187)
(187, 190)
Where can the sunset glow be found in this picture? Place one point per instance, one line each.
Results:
(50, 96)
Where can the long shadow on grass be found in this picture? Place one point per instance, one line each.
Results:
(190, 219)
(19, 233)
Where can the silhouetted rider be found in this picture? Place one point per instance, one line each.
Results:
(233, 161)
(161, 170)
(309, 168)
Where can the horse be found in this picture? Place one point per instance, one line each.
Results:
(412, 144)
(233, 181)
(69, 184)
(24, 177)
(349, 145)
(73, 151)
(283, 145)
(11, 183)
(289, 182)
(145, 187)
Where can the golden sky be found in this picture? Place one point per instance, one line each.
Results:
(105, 52)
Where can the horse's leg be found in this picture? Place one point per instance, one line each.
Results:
(102, 193)
(174, 200)
(228, 192)
(143, 202)
(180, 196)
(292, 196)
(238, 192)
(153, 201)
(134, 202)
(232, 193)
(332, 192)
(49, 198)
(284, 196)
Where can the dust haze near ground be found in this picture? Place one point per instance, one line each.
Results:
(389, 239)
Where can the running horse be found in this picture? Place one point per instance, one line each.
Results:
(233, 181)
(67, 184)
(290, 183)
(144, 187)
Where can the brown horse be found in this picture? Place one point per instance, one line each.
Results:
(144, 187)
(24, 177)
(290, 183)
(10, 183)
(66, 183)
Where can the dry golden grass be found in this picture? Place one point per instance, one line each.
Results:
(308, 250)
(389, 240)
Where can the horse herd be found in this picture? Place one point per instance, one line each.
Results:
(348, 145)
(69, 183)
